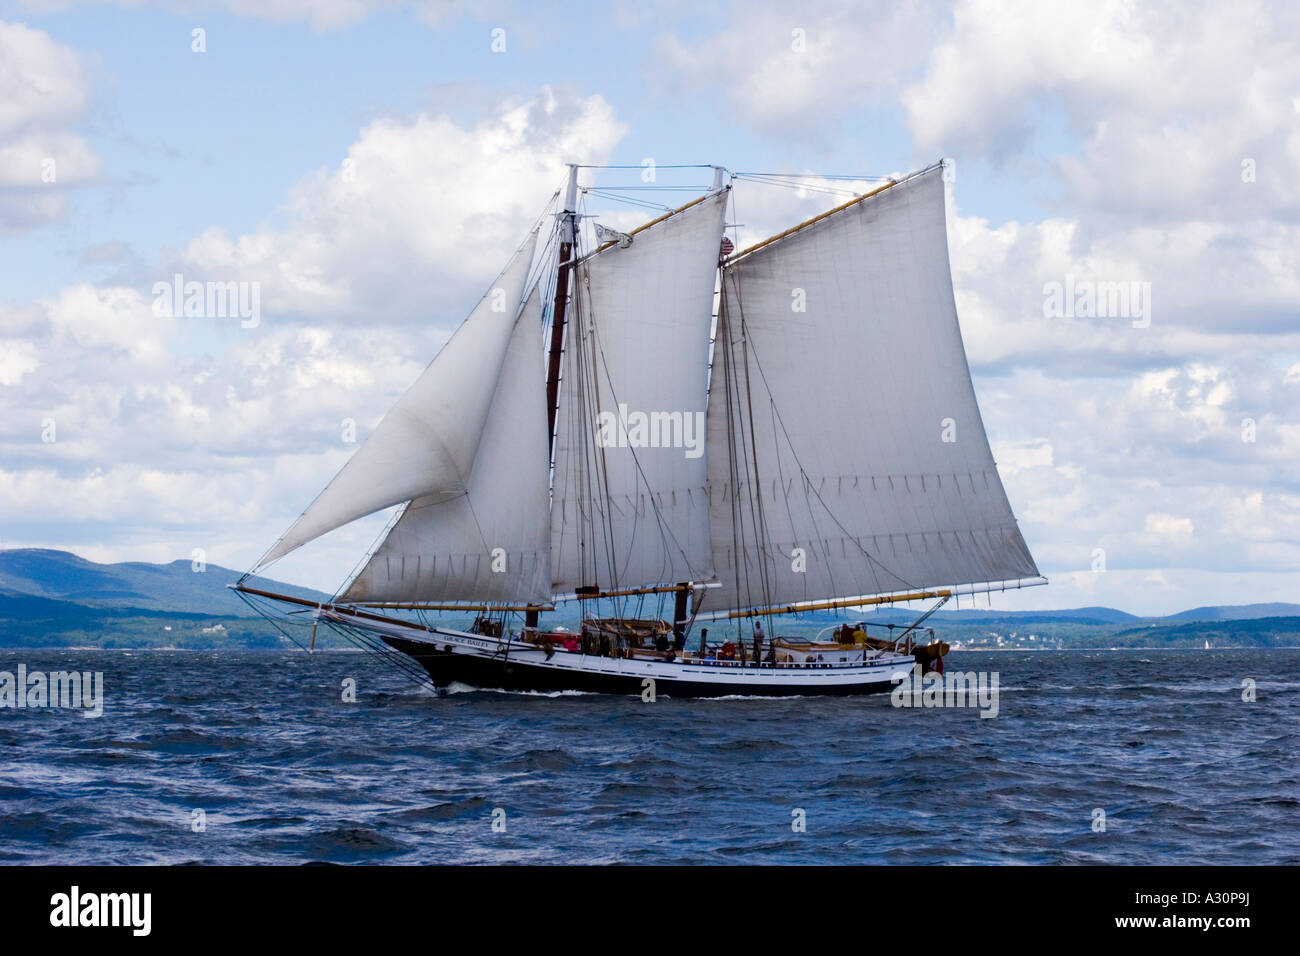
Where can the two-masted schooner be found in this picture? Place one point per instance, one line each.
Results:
(782, 429)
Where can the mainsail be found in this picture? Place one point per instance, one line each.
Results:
(425, 446)
(493, 542)
(629, 502)
(846, 454)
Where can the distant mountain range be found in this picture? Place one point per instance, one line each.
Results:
(176, 587)
(56, 598)
(1080, 615)
(1235, 612)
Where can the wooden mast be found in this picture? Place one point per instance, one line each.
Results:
(568, 235)
(680, 613)
(564, 266)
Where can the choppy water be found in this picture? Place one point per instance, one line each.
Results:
(286, 772)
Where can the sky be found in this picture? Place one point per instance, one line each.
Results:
(371, 164)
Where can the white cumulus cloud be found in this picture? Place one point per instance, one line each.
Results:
(43, 93)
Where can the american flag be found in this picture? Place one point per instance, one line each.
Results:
(728, 247)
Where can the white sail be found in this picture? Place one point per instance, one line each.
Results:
(629, 501)
(425, 445)
(846, 452)
(491, 543)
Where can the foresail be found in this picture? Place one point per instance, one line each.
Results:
(425, 445)
(491, 543)
(845, 447)
(629, 502)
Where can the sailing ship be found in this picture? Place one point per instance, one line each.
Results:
(753, 435)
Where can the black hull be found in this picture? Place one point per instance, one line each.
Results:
(445, 668)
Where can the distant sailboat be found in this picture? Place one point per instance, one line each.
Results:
(812, 444)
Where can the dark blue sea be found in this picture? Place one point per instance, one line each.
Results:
(284, 771)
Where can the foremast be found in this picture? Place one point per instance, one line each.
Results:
(568, 223)
(568, 230)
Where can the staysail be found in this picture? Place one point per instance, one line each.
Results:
(425, 446)
(846, 454)
(629, 501)
(491, 543)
